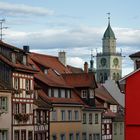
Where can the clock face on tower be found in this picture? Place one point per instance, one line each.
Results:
(116, 61)
(103, 61)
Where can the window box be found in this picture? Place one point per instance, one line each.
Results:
(21, 117)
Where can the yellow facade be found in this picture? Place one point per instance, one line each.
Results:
(66, 127)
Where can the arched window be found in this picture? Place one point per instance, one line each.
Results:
(114, 76)
(118, 76)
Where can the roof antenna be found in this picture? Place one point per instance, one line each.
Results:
(108, 18)
(2, 28)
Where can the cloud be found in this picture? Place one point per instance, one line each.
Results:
(75, 61)
(77, 42)
(10, 9)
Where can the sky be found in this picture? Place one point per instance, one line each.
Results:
(74, 26)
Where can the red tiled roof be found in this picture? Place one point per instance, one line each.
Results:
(54, 69)
(18, 66)
(49, 62)
(104, 95)
(51, 79)
(53, 100)
(80, 80)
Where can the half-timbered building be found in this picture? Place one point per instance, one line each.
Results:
(18, 73)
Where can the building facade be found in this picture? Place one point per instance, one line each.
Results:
(5, 114)
(18, 76)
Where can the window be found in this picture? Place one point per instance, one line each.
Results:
(13, 57)
(115, 128)
(90, 118)
(27, 84)
(38, 116)
(30, 135)
(63, 115)
(76, 115)
(118, 76)
(84, 136)
(91, 93)
(84, 118)
(71, 136)
(54, 137)
(96, 136)
(113, 108)
(3, 135)
(16, 83)
(16, 135)
(69, 115)
(62, 137)
(49, 92)
(114, 76)
(56, 93)
(16, 108)
(84, 93)
(77, 136)
(44, 116)
(121, 128)
(105, 76)
(23, 108)
(67, 93)
(62, 93)
(90, 136)
(54, 115)
(24, 59)
(23, 134)
(96, 119)
(4, 103)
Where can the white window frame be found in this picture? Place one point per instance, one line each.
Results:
(84, 93)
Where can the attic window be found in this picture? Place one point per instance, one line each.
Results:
(84, 93)
(24, 59)
(57, 73)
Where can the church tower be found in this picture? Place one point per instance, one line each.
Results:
(109, 62)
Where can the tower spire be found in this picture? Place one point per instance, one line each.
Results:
(108, 18)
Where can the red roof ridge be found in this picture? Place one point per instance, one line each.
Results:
(46, 55)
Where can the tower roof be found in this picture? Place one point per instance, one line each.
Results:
(109, 33)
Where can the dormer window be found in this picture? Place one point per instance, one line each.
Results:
(13, 57)
(84, 93)
(24, 59)
(91, 93)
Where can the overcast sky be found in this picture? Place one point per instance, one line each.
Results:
(75, 26)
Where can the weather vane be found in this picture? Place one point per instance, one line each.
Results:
(2, 28)
(108, 17)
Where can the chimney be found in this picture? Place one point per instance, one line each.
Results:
(62, 57)
(26, 49)
(86, 67)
